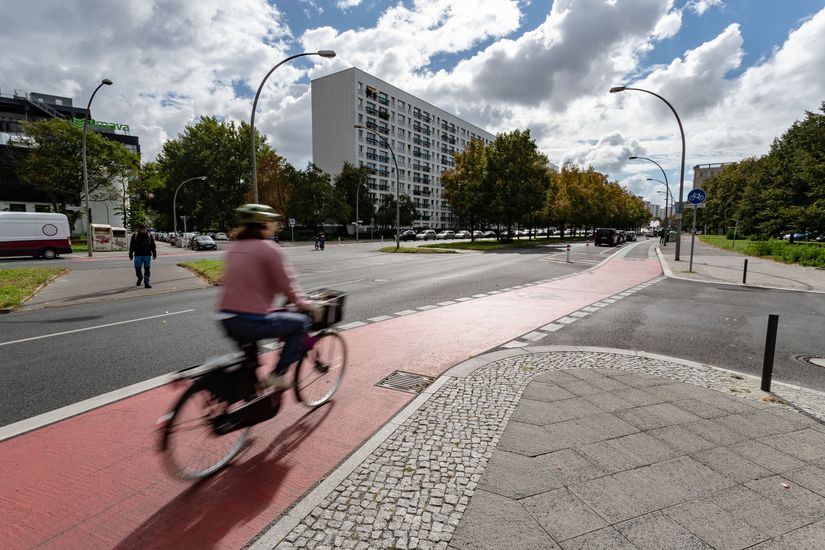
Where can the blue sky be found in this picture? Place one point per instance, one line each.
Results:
(739, 72)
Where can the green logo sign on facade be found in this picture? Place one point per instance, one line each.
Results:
(100, 125)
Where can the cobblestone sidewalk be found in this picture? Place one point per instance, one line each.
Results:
(416, 488)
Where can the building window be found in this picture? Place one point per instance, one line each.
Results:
(42, 208)
(17, 207)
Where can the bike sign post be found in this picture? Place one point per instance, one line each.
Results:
(696, 197)
(292, 228)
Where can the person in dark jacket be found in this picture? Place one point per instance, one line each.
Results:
(142, 249)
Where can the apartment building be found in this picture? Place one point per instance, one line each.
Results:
(421, 136)
(703, 172)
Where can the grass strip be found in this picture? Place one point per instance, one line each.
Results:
(211, 270)
(19, 284)
(416, 250)
(810, 255)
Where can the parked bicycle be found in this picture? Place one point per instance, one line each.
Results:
(211, 421)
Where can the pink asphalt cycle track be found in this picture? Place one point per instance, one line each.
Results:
(97, 481)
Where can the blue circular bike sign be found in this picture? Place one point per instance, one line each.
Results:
(696, 196)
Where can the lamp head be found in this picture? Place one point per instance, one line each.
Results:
(202, 178)
(634, 157)
(326, 53)
(615, 89)
(359, 126)
(107, 82)
(649, 179)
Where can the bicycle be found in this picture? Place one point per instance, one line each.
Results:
(319, 245)
(225, 398)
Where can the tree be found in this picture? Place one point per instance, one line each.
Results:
(273, 181)
(313, 201)
(54, 164)
(387, 212)
(464, 185)
(348, 182)
(517, 176)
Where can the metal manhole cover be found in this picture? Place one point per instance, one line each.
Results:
(406, 381)
(815, 360)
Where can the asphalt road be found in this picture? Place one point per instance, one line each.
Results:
(172, 331)
(720, 325)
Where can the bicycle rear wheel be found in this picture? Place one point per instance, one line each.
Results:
(192, 448)
(319, 375)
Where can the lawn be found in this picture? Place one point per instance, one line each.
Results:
(812, 255)
(211, 270)
(19, 284)
(416, 250)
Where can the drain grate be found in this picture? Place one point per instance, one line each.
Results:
(406, 381)
(808, 359)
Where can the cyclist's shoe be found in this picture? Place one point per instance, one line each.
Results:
(279, 382)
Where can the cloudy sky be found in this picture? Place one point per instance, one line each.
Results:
(739, 72)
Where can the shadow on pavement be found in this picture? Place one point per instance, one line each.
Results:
(202, 515)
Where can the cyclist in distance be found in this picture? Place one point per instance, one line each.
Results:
(319, 241)
(256, 271)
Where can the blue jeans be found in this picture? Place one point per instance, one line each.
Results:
(288, 326)
(146, 263)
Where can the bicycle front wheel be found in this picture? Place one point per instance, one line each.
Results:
(191, 446)
(319, 375)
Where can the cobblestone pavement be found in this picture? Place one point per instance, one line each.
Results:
(592, 417)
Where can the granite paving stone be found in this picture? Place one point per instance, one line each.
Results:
(766, 456)
(603, 539)
(657, 531)
(810, 477)
(562, 514)
(765, 515)
(541, 412)
(714, 525)
(809, 537)
(799, 500)
(807, 444)
(628, 452)
(681, 438)
(588, 429)
(731, 464)
(540, 391)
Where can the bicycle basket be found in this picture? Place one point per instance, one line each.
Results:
(328, 307)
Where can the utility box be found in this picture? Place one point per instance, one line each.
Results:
(119, 241)
(101, 237)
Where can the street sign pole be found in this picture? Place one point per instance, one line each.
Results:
(696, 197)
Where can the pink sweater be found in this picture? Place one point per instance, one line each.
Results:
(255, 271)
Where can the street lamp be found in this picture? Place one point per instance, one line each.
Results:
(616, 89)
(89, 243)
(322, 53)
(667, 212)
(397, 189)
(175, 200)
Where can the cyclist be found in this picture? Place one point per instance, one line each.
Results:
(255, 272)
(319, 241)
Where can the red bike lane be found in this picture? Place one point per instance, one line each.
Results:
(97, 481)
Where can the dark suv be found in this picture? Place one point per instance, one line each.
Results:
(408, 235)
(606, 236)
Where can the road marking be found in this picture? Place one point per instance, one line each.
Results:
(533, 336)
(447, 303)
(94, 327)
(354, 324)
(57, 415)
(567, 320)
(425, 308)
(405, 312)
(380, 318)
(515, 344)
(552, 327)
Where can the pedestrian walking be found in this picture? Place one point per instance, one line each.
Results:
(142, 249)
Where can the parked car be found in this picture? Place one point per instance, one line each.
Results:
(606, 235)
(407, 235)
(426, 235)
(630, 235)
(220, 236)
(489, 235)
(446, 234)
(203, 242)
(462, 234)
(478, 234)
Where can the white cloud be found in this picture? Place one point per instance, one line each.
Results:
(346, 4)
(699, 7)
(608, 155)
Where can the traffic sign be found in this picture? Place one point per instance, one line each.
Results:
(291, 222)
(697, 196)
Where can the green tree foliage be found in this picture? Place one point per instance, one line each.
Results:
(54, 164)
(464, 185)
(219, 151)
(387, 212)
(313, 200)
(517, 177)
(781, 191)
(349, 182)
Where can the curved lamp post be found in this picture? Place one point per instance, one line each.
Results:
(616, 89)
(175, 202)
(397, 187)
(667, 213)
(89, 236)
(322, 53)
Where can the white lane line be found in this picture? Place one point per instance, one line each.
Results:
(567, 320)
(425, 308)
(534, 336)
(552, 327)
(579, 314)
(447, 303)
(479, 295)
(515, 344)
(379, 318)
(405, 312)
(94, 327)
(51, 417)
(354, 324)
(465, 299)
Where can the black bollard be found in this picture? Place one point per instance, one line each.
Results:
(770, 347)
(745, 272)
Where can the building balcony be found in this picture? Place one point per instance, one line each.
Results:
(383, 159)
(384, 173)
(371, 111)
(372, 141)
(372, 156)
(384, 129)
(384, 115)
(383, 100)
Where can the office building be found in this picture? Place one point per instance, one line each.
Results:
(18, 107)
(422, 137)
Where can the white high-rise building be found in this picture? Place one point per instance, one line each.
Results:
(422, 137)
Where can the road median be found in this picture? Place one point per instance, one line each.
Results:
(209, 270)
(19, 284)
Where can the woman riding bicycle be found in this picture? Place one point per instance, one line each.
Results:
(257, 271)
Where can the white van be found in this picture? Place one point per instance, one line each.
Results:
(37, 234)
